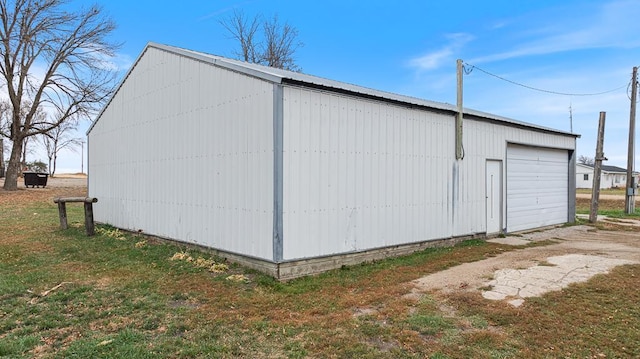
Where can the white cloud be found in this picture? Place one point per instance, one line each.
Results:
(118, 62)
(611, 25)
(437, 58)
(224, 10)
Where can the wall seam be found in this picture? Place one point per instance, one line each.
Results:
(277, 172)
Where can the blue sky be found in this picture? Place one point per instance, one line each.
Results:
(411, 47)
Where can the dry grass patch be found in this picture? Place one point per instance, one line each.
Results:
(26, 196)
(131, 300)
(584, 204)
(605, 325)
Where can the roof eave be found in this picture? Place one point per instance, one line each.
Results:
(218, 61)
(282, 76)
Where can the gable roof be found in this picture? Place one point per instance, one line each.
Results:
(613, 169)
(296, 78)
(609, 169)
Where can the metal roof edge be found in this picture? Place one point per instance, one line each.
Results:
(508, 120)
(234, 65)
(414, 101)
(215, 60)
(117, 89)
(282, 76)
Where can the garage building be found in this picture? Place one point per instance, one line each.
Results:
(293, 174)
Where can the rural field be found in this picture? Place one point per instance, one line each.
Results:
(123, 295)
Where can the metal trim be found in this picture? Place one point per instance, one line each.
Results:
(572, 187)
(277, 172)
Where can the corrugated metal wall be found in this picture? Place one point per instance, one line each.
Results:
(485, 140)
(185, 151)
(361, 174)
(189, 155)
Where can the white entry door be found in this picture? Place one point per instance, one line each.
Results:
(494, 196)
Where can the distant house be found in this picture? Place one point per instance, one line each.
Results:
(611, 176)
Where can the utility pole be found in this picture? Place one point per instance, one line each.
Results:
(459, 149)
(629, 200)
(597, 170)
(570, 117)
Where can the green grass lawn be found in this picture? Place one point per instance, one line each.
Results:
(613, 191)
(116, 295)
(609, 207)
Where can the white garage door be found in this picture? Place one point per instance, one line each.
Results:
(537, 187)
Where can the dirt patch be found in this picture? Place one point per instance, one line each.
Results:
(603, 196)
(582, 242)
(56, 187)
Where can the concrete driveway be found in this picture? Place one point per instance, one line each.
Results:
(578, 253)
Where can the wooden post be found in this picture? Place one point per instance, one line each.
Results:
(597, 170)
(62, 209)
(89, 225)
(629, 199)
(88, 218)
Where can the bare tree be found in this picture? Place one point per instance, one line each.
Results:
(589, 161)
(3, 129)
(57, 140)
(6, 130)
(244, 31)
(55, 61)
(1, 157)
(280, 43)
(274, 47)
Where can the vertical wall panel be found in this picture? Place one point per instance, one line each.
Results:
(370, 166)
(185, 151)
(376, 174)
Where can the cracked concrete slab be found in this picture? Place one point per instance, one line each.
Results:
(534, 281)
(579, 253)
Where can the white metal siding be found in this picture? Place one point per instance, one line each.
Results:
(362, 174)
(185, 151)
(537, 187)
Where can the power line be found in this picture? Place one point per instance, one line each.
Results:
(472, 67)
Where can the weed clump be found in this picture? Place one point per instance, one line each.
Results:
(114, 233)
(200, 262)
(238, 278)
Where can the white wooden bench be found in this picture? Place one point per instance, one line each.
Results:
(88, 211)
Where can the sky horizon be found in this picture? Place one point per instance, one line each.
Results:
(570, 50)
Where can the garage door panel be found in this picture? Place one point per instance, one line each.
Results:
(528, 194)
(537, 187)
